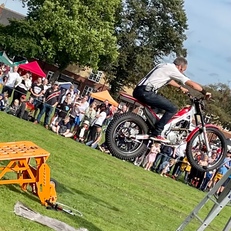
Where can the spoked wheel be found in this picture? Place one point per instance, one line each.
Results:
(120, 136)
(207, 153)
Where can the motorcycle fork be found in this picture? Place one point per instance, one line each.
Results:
(203, 131)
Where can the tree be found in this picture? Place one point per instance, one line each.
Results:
(64, 32)
(146, 32)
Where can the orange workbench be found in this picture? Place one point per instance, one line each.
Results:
(18, 157)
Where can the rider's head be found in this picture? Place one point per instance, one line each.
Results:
(181, 64)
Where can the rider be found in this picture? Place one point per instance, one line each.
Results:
(164, 74)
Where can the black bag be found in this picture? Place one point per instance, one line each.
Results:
(62, 129)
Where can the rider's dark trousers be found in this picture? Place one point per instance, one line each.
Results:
(156, 101)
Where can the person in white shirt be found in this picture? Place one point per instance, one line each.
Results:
(10, 81)
(163, 74)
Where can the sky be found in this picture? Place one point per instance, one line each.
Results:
(208, 39)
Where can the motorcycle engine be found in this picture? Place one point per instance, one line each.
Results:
(178, 132)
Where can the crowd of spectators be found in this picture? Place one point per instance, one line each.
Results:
(62, 111)
(171, 161)
(70, 115)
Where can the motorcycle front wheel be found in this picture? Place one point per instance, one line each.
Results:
(207, 157)
(120, 136)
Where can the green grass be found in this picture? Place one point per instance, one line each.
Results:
(113, 195)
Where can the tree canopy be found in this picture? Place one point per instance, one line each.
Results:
(64, 32)
(146, 32)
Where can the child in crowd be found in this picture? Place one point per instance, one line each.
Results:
(13, 109)
(155, 149)
(63, 127)
(82, 132)
(2, 103)
(165, 167)
(185, 167)
(6, 99)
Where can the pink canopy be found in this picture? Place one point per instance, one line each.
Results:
(34, 68)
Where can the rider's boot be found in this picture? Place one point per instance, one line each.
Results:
(159, 138)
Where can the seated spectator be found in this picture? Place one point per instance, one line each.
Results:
(6, 99)
(82, 132)
(26, 108)
(95, 139)
(63, 127)
(13, 109)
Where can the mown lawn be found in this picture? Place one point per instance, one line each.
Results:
(113, 195)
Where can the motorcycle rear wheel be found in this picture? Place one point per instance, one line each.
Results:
(195, 148)
(120, 136)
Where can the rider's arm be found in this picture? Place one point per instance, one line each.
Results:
(197, 87)
(175, 84)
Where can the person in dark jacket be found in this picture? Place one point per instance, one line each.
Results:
(50, 101)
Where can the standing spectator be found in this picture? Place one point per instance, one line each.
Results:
(36, 92)
(90, 112)
(164, 155)
(62, 109)
(95, 130)
(185, 167)
(83, 105)
(39, 105)
(51, 99)
(155, 149)
(22, 86)
(179, 153)
(96, 138)
(10, 81)
(165, 167)
(81, 108)
(71, 92)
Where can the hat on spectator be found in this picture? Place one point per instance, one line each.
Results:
(56, 83)
(86, 122)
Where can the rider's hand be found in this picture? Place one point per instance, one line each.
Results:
(208, 95)
(184, 90)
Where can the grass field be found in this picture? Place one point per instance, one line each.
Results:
(113, 195)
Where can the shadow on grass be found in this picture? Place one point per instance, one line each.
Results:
(95, 199)
(17, 189)
(83, 223)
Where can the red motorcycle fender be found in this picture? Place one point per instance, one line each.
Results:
(192, 133)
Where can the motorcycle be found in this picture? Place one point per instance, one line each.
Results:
(128, 134)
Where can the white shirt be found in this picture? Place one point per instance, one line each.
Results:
(82, 108)
(12, 77)
(101, 118)
(162, 74)
(180, 149)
